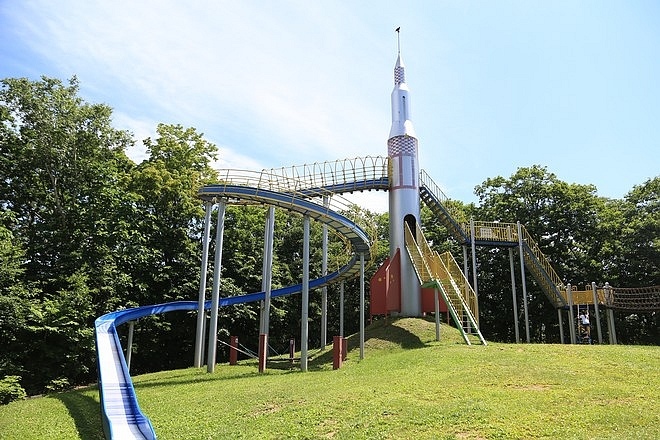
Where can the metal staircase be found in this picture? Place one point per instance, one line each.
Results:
(437, 201)
(495, 234)
(442, 273)
(540, 268)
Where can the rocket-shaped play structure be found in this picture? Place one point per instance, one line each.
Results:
(403, 193)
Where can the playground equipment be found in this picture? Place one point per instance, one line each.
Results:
(121, 414)
(314, 191)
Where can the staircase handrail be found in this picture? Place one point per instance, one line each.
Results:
(542, 259)
(420, 264)
(462, 284)
(432, 271)
(433, 188)
(443, 267)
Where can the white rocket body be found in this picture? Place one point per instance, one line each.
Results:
(404, 189)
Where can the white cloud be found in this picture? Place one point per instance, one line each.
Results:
(280, 76)
(293, 82)
(141, 130)
(374, 201)
(228, 158)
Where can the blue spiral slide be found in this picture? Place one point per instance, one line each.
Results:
(120, 412)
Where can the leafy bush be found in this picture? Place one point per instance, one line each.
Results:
(59, 384)
(11, 389)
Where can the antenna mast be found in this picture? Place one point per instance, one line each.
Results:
(398, 40)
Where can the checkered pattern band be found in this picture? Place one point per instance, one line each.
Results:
(402, 145)
(399, 75)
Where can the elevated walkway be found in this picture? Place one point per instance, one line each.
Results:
(334, 177)
(631, 299)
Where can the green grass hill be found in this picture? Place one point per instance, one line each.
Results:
(408, 386)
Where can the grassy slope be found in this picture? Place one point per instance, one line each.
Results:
(408, 386)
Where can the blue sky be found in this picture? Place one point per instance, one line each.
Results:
(495, 85)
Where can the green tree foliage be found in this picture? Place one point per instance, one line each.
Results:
(165, 247)
(10, 390)
(62, 167)
(640, 238)
(14, 301)
(634, 228)
(170, 214)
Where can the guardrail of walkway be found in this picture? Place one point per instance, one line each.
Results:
(354, 174)
(286, 185)
(495, 231)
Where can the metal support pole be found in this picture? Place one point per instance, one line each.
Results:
(513, 296)
(465, 262)
(215, 292)
(264, 268)
(361, 306)
(610, 314)
(266, 286)
(466, 273)
(436, 300)
(129, 344)
(571, 315)
(521, 251)
(201, 312)
(341, 308)
(304, 326)
(561, 327)
(609, 301)
(324, 289)
(267, 269)
(263, 352)
(474, 260)
(597, 312)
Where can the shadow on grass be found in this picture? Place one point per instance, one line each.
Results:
(384, 333)
(85, 412)
(386, 330)
(186, 378)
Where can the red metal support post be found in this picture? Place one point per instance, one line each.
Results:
(233, 354)
(337, 358)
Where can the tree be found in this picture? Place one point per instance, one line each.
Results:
(634, 257)
(564, 220)
(640, 240)
(62, 168)
(165, 248)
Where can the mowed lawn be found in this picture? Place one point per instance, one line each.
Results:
(407, 387)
